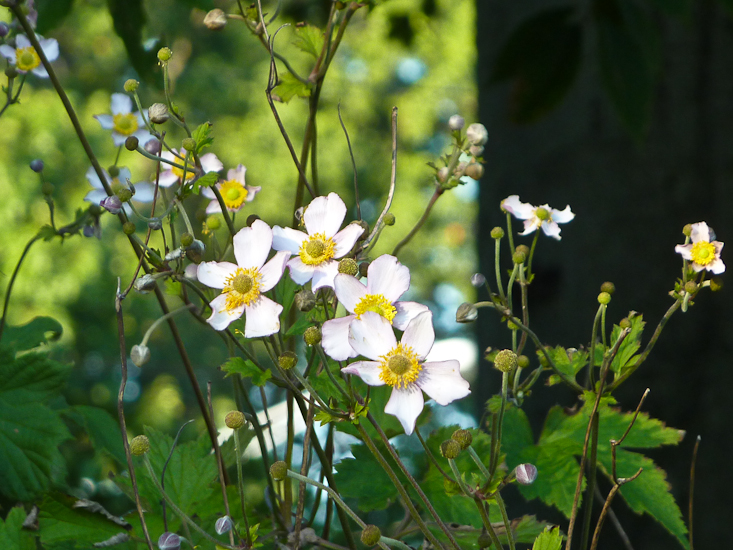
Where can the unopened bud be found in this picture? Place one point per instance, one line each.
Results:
(389, 219)
(215, 20)
(139, 445)
(305, 300)
(223, 525)
(519, 257)
(525, 474)
(140, 354)
(169, 541)
(349, 266)
(112, 204)
(466, 313)
(604, 298)
(287, 360)
(450, 448)
(363, 269)
(443, 174)
(158, 113)
(144, 284)
(523, 249)
(505, 360)
(11, 71)
(476, 150)
(497, 233)
(156, 224)
(476, 134)
(484, 540)
(464, 438)
(189, 144)
(624, 323)
(131, 143)
(252, 218)
(234, 420)
(279, 470)
(522, 361)
(456, 122)
(312, 336)
(478, 280)
(186, 239)
(690, 287)
(716, 284)
(131, 85)
(371, 535)
(124, 194)
(213, 222)
(164, 54)
(608, 287)
(128, 228)
(687, 230)
(4, 29)
(37, 165)
(113, 171)
(152, 146)
(195, 251)
(475, 170)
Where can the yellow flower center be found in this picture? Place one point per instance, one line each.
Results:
(317, 249)
(190, 171)
(400, 367)
(26, 59)
(242, 287)
(702, 252)
(125, 124)
(376, 303)
(542, 214)
(233, 193)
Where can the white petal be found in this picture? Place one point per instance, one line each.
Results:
(121, 104)
(220, 316)
(530, 226)
(50, 47)
(213, 207)
(210, 163)
(22, 41)
(93, 178)
(286, 238)
(252, 245)
(237, 173)
(520, 210)
(367, 371)
(273, 270)
(325, 215)
(324, 274)
(388, 277)
(442, 381)
(208, 193)
(551, 229)
(419, 334)
(143, 136)
(105, 121)
(8, 52)
(95, 196)
(346, 239)
(685, 250)
(717, 266)
(299, 272)
(214, 274)
(371, 335)
(167, 178)
(406, 312)
(39, 71)
(118, 139)
(144, 191)
(700, 232)
(349, 290)
(335, 338)
(562, 216)
(124, 174)
(406, 404)
(263, 318)
(252, 191)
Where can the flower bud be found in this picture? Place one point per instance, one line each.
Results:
(140, 354)
(305, 300)
(497, 233)
(155, 224)
(389, 219)
(525, 473)
(519, 257)
(213, 222)
(478, 280)
(4, 29)
(464, 438)
(484, 540)
(505, 360)
(223, 525)
(450, 448)
(234, 420)
(443, 174)
(252, 218)
(158, 113)
(476, 150)
(186, 239)
(153, 146)
(195, 251)
(312, 336)
(371, 535)
(47, 188)
(131, 85)
(37, 165)
(475, 170)
(128, 228)
(522, 361)
(124, 194)
(131, 143)
(11, 71)
(113, 171)
(456, 122)
(523, 248)
(189, 144)
(287, 360)
(112, 204)
(476, 134)
(624, 323)
(139, 445)
(716, 284)
(279, 470)
(363, 269)
(365, 227)
(144, 284)
(215, 20)
(349, 266)
(608, 287)
(687, 230)
(466, 313)
(604, 298)
(164, 54)
(690, 287)
(169, 541)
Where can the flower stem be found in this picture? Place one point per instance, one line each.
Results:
(505, 517)
(420, 222)
(12, 282)
(240, 483)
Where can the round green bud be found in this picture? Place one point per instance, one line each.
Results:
(475, 170)
(543, 360)
(363, 269)
(505, 360)
(305, 300)
(124, 194)
(11, 72)
(128, 228)
(389, 219)
(234, 420)
(279, 470)
(687, 230)
(484, 540)
(189, 144)
(690, 287)
(312, 336)
(47, 188)
(522, 361)
(519, 257)
(522, 248)
(131, 143)
(287, 360)
(113, 171)
(131, 85)
(542, 214)
(716, 284)
(608, 287)
(252, 218)
(371, 535)
(164, 54)
(497, 233)
(450, 448)
(139, 445)
(349, 266)
(213, 222)
(624, 323)
(463, 437)
(604, 298)
(186, 239)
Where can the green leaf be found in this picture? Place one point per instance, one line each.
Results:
(207, 180)
(309, 39)
(378, 400)
(541, 59)
(51, 13)
(201, 135)
(128, 17)
(246, 369)
(31, 377)
(352, 472)
(548, 540)
(289, 87)
(569, 362)
(12, 535)
(47, 232)
(40, 330)
(300, 326)
(103, 430)
(285, 291)
(629, 347)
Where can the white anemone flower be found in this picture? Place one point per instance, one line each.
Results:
(318, 250)
(144, 191)
(172, 174)
(387, 280)
(704, 250)
(123, 122)
(244, 283)
(402, 365)
(25, 57)
(234, 191)
(536, 216)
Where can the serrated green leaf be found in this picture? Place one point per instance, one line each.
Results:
(207, 180)
(47, 233)
(61, 521)
(350, 476)
(309, 39)
(288, 87)
(39, 330)
(323, 417)
(202, 136)
(103, 430)
(569, 362)
(549, 539)
(31, 377)
(246, 369)
(629, 346)
(12, 535)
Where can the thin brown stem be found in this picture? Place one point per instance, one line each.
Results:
(420, 222)
(219, 464)
(692, 490)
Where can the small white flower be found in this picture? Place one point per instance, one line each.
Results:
(387, 280)
(173, 175)
(144, 190)
(123, 122)
(401, 365)
(476, 134)
(536, 216)
(704, 250)
(318, 250)
(25, 57)
(243, 283)
(234, 191)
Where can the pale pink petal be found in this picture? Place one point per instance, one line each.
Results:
(50, 47)
(121, 104)
(324, 274)
(346, 239)
(105, 121)
(406, 404)
(213, 207)
(8, 52)
(419, 334)
(562, 216)
(335, 338)
(716, 266)
(442, 381)
(252, 191)
(520, 210)
(142, 135)
(299, 272)
(167, 178)
(551, 229)
(144, 191)
(286, 238)
(700, 232)
(388, 277)
(697, 267)
(220, 315)
(349, 290)
(530, 226)
(406, 312)
(210, 163)
(263, 318)
(214, 274)
(371, 335)
(368, 371)
(273, 270)
(95, 196)
(252, 245)
(685, 250)
(325, 215)
(237, 173)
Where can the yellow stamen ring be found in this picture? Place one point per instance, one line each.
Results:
(242, 287)
(233, 193)
(317, 249)
(26, 59)
(190, 171)
(376, 303)
(702, 252)
(400, 367)
(125, 124)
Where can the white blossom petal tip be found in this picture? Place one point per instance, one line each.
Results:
(703, 252)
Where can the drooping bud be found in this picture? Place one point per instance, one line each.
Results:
(505, 360)
(11, 71)
(252, 218)
(139, 445)
(215, 20)
(522, 361)
(475, 170)
(287, 360)
(687, 230)
(164, 54)
(37, 165)
(305, 300)
(349, 266)
(158, 113)
(456, 122)
(525, 474)
(443, 174)
(450, 448)
(716, 284)
(363, 269)
(464, 438)
(371, 535)
(4, 29)
(484, 540)
(279, 470)
(155, 224)
(608, 287)
(128, 228)
(195, 251)
(169, 541)
(223, 525)
(389, 219)
(131, 143)
(144, 284)
(478, 280)
(140, 354)
(476, 150)
(186, 239)
(312, 336)
(153, 146)
(234, 420)
(213, 222)
(131, 85)
(497, 233)
(476, 134)
(112, 204)
(604, 298)
(189, 144)
(690, 287)
(466, 313)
